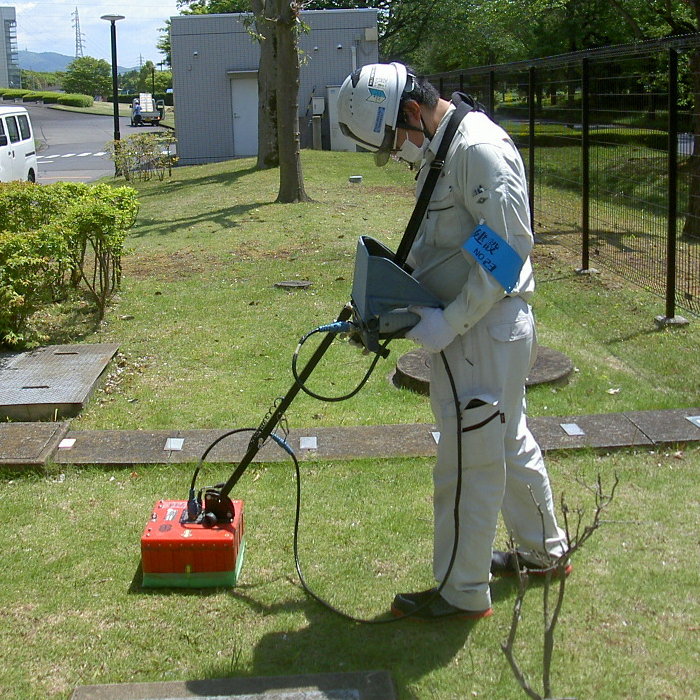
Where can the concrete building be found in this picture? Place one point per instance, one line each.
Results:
(215, 65)
(9, 66)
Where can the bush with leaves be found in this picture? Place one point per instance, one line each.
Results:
(31, 268)
(95, 227)
(13, 94)
(144, 156)
(57, 238)
(76, 100)
(45, 96)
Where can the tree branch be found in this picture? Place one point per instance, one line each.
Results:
(575, 542)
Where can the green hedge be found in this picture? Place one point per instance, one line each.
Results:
(13, 94)
(32, 263)
(56, 239)
(46, 96)
(75, 100)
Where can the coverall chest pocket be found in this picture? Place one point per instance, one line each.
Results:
(444, 226)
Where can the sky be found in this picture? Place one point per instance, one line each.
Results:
(49, 25)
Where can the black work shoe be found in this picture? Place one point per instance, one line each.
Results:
(438, 608)
(506, 564)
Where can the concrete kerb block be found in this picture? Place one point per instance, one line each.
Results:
(361, 685)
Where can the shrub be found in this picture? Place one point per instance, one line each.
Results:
(31, 265)
(98, 223)
(45, 96)
(143, 156)
(56, 238)
(75, 100)
(26, 207)
(13, 94)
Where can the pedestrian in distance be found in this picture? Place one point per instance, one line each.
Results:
(137, 121)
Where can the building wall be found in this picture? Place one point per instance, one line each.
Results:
(209, 51)
(8, 69)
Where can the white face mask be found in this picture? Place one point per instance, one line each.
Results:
(410, 152)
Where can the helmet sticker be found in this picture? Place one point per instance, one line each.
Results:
(379, 121)
(376, 95)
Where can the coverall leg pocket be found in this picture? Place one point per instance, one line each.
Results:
(482, 432)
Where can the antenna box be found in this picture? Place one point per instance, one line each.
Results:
(181, 554)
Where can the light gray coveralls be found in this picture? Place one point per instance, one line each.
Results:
(483, 181)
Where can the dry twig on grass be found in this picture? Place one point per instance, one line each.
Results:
(577, 533)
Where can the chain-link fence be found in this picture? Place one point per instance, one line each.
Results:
(609, 139)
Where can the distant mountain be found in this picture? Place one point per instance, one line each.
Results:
(43, 62)
(49, 62)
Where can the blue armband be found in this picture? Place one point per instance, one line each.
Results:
(495, 255)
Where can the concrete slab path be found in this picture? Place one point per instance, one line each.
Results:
(36, 444)
(368, 685)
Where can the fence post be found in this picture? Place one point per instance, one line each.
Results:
(671, 317)
(585, 165)
(492, 94)
(531, 144)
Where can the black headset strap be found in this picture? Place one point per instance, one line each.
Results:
(464, 105)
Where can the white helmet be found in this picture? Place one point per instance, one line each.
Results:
(368, 106)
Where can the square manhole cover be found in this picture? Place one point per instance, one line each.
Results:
(51, 382)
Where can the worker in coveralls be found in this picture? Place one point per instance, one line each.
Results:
(485, 331)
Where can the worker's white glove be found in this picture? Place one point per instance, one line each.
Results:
(433, 331)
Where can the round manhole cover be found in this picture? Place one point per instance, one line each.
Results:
(413, 369)
(293, 284)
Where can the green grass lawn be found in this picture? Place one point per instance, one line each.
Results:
(206, 338)
(205, 342)
(73, 612)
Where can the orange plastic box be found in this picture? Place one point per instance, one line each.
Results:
(190, 555)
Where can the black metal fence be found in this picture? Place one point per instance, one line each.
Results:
(608, 136)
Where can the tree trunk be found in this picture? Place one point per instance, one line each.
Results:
(268, 148)
(291, 180)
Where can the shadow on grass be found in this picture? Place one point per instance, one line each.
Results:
(226, 217)
(329, 644)
(172, 186)
(62, 322)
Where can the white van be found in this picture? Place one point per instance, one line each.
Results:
(17, 147)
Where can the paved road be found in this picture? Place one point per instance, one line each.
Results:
(72, 145)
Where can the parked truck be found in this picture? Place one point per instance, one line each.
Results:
(146, 110)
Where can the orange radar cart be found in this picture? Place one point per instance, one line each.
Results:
(182, 554)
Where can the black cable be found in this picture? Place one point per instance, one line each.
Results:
(328, 399)
(453, 556)
(211, 446)
(297, 516)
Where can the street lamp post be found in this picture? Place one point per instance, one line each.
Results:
(113, 19)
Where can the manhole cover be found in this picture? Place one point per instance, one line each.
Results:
(413, 369)
(293, 284)
(51, 382)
